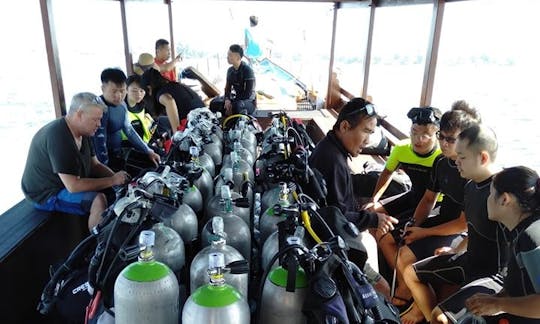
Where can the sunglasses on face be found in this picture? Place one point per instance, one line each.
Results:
(448, 139)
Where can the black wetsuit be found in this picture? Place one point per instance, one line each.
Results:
(445, 178)
(486, 251)
(523, 242)
(240, 88)
(330, 158)
(522, 239)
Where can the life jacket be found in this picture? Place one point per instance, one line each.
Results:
(142, 123)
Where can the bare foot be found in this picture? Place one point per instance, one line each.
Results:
(413, 316)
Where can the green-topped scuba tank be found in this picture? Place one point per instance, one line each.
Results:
(146, 291)
(217, 302)
(284, 295)
(274, 214)
(219, 244)
(227, 203)
(169, 247)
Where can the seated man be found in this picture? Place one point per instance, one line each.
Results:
(62, 172)
(355, 123)
(240, 97)
(108, 137)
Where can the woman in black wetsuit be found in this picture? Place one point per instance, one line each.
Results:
(514, 201)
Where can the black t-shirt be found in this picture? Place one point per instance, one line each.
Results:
(241, 82)
(52, 151)
(485, 251)
(445, 178)
(186, 99)
(330, 158)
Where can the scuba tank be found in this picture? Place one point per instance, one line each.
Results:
(237, 232)
(217, 244)
(242, 152)
(240, 167)
(199, 184)
(184, 222)
(271, 246)
(146, 291)
(202, 180)
(227, 203)
(204, 160)
(217, 302)
(271, 196)
(245, 137)
(214, 148)
(238, 183)
(273, 215)
(282, 298)
(169, 247)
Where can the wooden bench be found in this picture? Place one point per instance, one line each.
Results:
(30, 242)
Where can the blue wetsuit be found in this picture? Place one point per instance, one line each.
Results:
(108, 139)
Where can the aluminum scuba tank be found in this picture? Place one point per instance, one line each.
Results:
(146, 291)
(214, 148)
(271, 197)
(200, 263)
(184, 221)
(241, 185)
(237, 233)
(271, 247)
(269, 219)
(223, 205)
(246, 138)
(244, 154)
(278, 305)
(204, 160)
(216, 302)
(193, 198)
(225, 177)
(169, 247)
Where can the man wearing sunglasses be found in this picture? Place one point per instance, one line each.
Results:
(355, 123)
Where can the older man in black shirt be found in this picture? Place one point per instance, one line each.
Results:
(355, 123)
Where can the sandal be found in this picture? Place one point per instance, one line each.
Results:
(405, 304)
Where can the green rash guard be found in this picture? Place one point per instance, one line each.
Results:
(416, 166)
